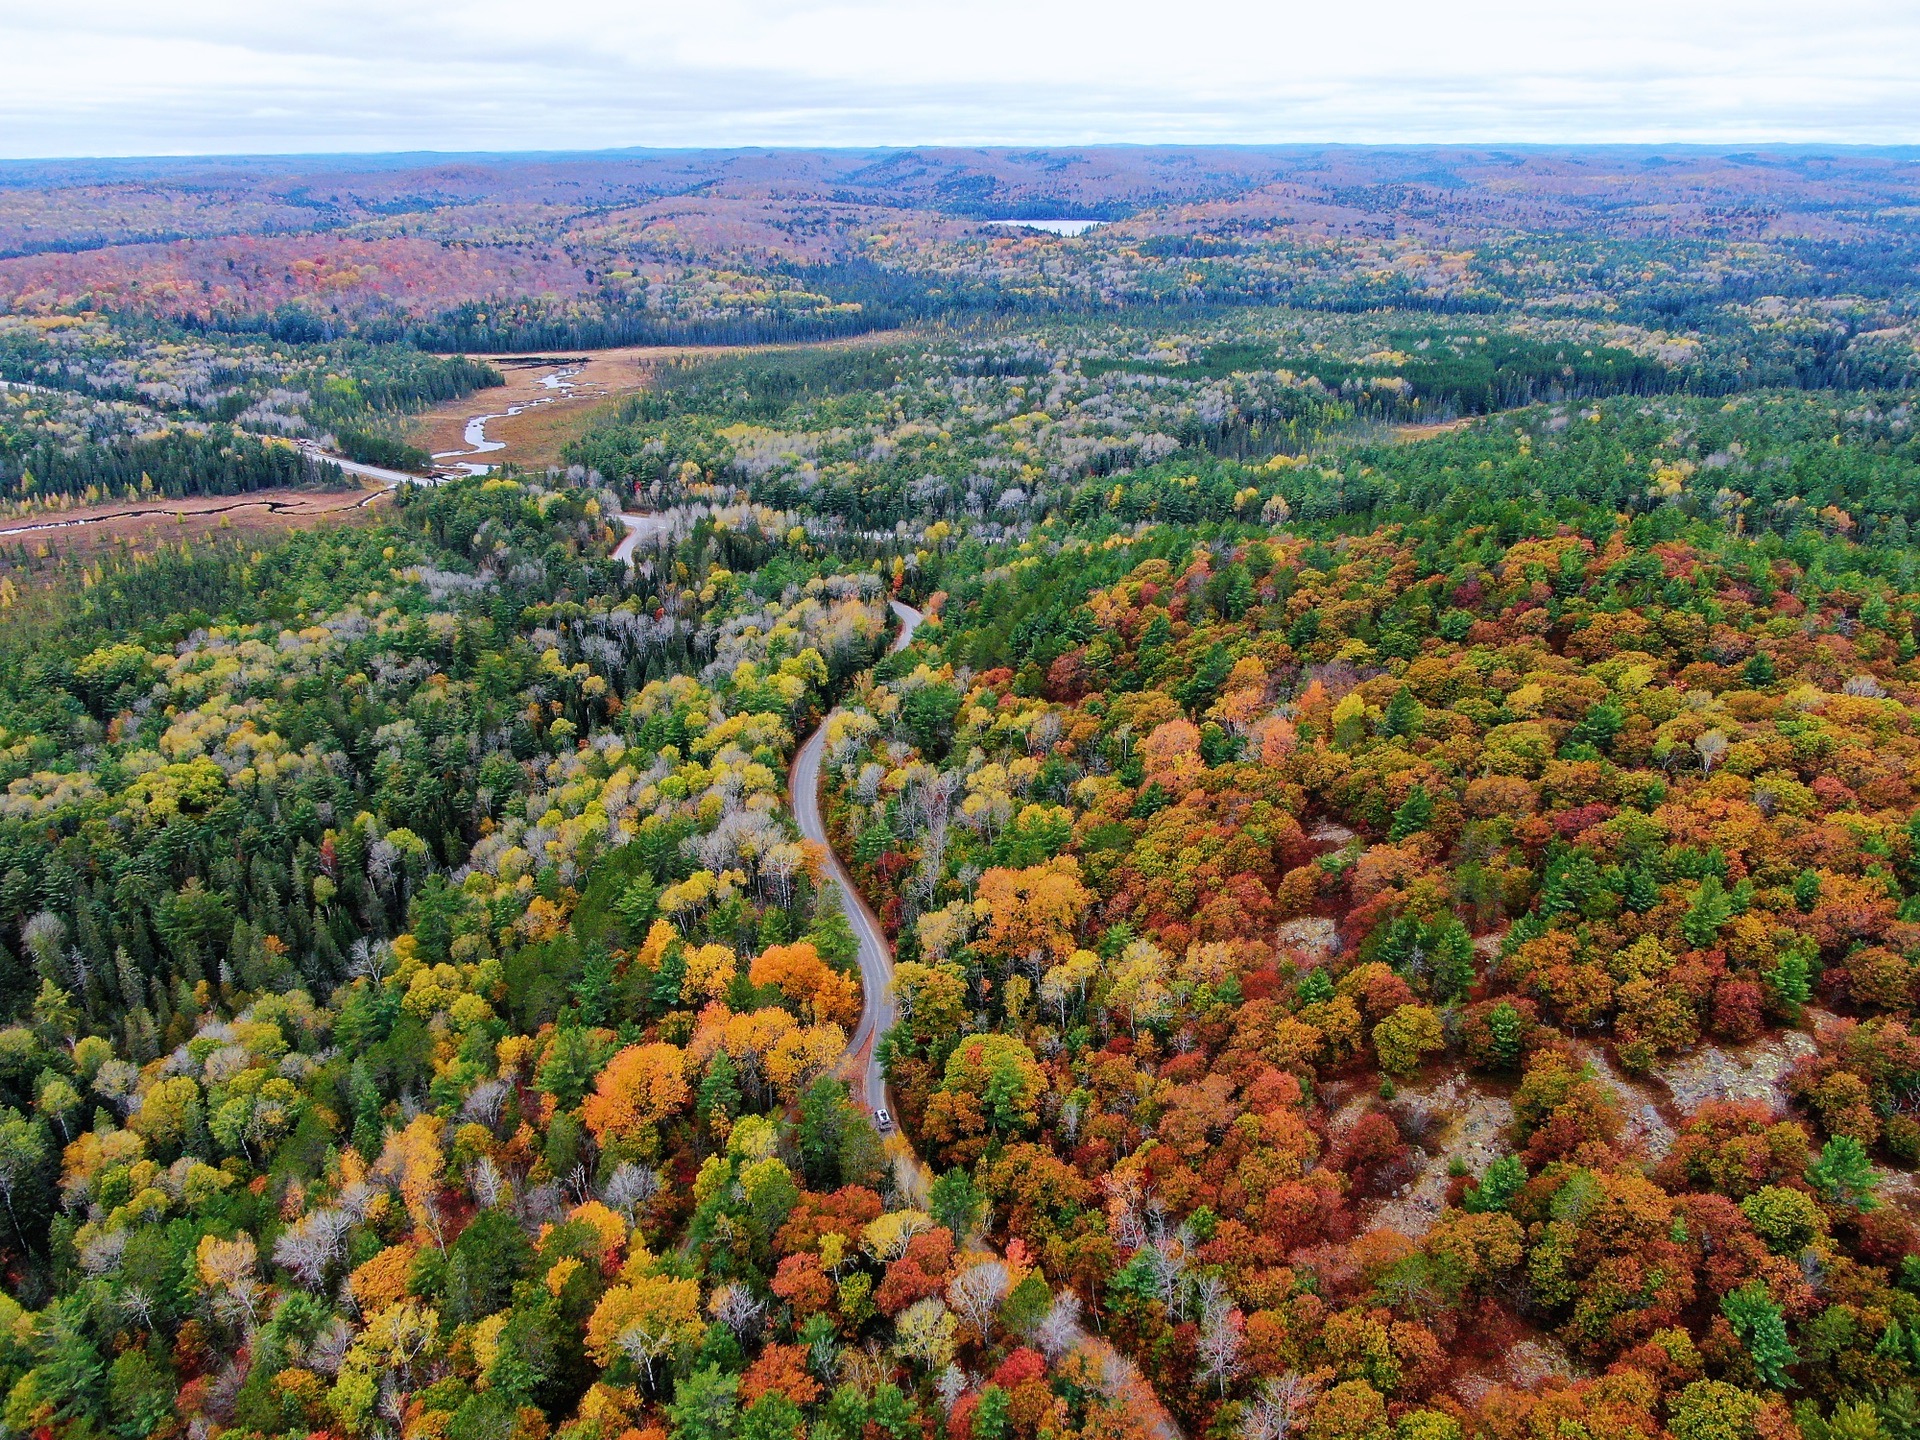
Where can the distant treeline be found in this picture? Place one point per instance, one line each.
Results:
(1447, 373)
(761, 388)
(353, 390)
(81, 244)
(347, 379)
(221, 461)
(394, 380)
(494, 328)
(1491, 372)
(886, 299)
(1442, 375)
(1833, 356)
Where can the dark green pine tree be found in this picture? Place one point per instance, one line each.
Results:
(1403, 716)
(720, 1090)
(1414, 814)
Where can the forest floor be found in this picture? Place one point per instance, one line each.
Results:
(1409, 434)
(1516, 1355)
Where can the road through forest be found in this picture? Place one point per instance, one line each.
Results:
(876, 955)
(1120, 1374)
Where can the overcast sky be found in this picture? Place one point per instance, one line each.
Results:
(120, 77)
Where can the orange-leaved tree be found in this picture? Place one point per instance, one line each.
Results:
(640, 1087)
(807, 982)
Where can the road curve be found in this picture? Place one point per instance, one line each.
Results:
(639, 527)
(392, 479)
(876, 956)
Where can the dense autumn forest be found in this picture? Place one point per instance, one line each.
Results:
(1396, 827)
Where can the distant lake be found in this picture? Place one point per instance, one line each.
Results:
(1052, 227)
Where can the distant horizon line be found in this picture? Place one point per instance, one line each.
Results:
(1728, 149)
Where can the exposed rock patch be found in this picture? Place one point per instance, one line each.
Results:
(1469, 1124)
(1754, 1072)
(1311, 938)
(1645, 1105)
(1330, 832)
(1524, 1365)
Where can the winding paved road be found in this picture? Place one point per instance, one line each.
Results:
(392, 479)
(877, 1015)
(639, 527)
(876, 956)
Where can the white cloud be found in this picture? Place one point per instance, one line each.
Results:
(118, 77)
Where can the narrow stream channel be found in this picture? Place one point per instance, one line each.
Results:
(561, 383)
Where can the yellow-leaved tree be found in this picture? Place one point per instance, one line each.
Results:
(645, 1319)
(413, 1163)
